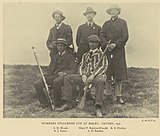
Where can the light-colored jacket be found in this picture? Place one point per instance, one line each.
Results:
(90, 61)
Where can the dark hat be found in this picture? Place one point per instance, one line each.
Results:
(58, 12)
(113, 6)
(61, 40)
(89, 10)
(94, 38)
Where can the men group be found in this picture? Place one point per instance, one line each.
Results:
(62, 76)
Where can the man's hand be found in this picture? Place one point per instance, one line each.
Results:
(111, 46)
(46, 74)
(90, 78)
(62, 74)
(84, 79)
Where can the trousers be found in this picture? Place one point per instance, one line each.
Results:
(54, 92)
(76, 79)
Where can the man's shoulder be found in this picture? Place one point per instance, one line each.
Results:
(66, 25)
(98, 52)
(68, 56)
(121, 19)
(97, 25)
(82, 26)
(52, 28)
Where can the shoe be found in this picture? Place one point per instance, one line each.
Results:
(64, 107)
(90, 96)
(99, 113)
(120, 100)
(57, 104)
(43, 106)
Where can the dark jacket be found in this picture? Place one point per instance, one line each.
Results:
(117, 32)
(64, 32)
(82, 35)
(64, 63)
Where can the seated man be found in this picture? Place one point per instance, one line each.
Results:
(88, 74)
(61, 65)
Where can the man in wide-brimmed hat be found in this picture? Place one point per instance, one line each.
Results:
(85, 30)
(116, 31)
(59, 30)
(88, 74)
(61, 65)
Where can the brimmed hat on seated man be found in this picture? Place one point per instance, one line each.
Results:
(61, 65)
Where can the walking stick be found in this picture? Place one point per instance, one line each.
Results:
(112, 81)
(44, 80)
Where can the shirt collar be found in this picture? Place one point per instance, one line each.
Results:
(58, 25)
(94, 50)
(90, 23)
(114, 18)
(61, 54)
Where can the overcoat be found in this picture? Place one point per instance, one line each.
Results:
(83, 32)
(64, 32)
(116, 32)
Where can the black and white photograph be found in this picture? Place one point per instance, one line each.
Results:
(81, 60)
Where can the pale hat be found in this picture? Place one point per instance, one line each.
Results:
(89, 10)
(61, 40)
(113, 6)
(58, 12)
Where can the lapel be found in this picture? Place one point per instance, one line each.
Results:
(61, 58)
(117, 20)
(94, 54)
(86, 25)
(113, 24)
(61, 26)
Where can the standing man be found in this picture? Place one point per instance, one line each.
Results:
(115, 30)
(88, 74)
(62, 64)
(59, 30)
(85, 30)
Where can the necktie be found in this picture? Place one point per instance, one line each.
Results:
(90, 54)
(57, 26)
(90, 25)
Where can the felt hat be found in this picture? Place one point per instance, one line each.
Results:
(113, 6)
(58, 12)
(89, 10)
(61, 40)
(94, 38)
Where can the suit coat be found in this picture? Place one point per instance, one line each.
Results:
(64, 63)
(64, 32)
(83, 32)
(90, 61)
(117, 32)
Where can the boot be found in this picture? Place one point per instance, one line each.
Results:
(64, 107)
(120, 100)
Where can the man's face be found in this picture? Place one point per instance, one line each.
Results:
(60, 47)
(93, 45)
(90, 16)
(114, 12)
(58, 18)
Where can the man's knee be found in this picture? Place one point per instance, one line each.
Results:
(68, 77)
(58, 81)
(38, 83)
(100, 79)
